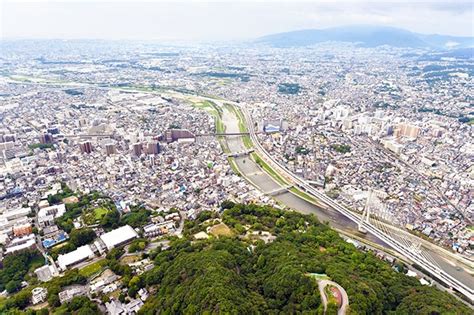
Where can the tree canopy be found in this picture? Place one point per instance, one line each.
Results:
(245, 275)
(15, 267)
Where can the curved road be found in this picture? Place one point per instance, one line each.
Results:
(345, 299)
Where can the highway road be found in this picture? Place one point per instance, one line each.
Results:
(453, 268)
(452, 271)
(266, 183)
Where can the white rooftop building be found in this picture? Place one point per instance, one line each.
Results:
(76, 256)
(38, 295)
(45, 273)
(118, 236)
(16, 213)
(47, 215)
(21, 243)
(56, 210)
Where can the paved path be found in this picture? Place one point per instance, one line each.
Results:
(345, 299)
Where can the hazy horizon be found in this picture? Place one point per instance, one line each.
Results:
(220, 20)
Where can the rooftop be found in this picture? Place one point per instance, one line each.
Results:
(118, 236)
(75, 256)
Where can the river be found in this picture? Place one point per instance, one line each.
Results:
(265, 183)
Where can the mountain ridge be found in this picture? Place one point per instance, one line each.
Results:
(366, 36)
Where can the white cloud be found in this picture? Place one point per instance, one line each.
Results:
(220, 19)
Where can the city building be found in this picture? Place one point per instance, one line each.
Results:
(21, 243)
(407, 130)
(54, 130)
(45, 273)
(46, 138)
(22, 229)
(393, 146)
(46, 216)
(38, 295)
(119, 236)
(275, 125)
(153, 147)
(110, 149)
(155, 229)
(172, 135)
(81, 254)
(86, 147)
(137, 149)
(9, 138)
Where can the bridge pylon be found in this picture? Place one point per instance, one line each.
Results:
(373, 201)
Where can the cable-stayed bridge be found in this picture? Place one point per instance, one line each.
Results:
(401, 241)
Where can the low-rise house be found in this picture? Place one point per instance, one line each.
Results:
(100, 283)
(115, 307)
(134, 306)
(143, 293)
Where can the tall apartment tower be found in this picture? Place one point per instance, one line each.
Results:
(407, 130)
(153, 147)
(110, 149)
(86, 147)
(46, 138)
(137, 149)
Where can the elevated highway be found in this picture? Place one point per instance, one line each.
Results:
(403, 244)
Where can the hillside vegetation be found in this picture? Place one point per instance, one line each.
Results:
(245, 275)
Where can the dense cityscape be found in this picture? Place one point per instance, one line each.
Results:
(117, 161)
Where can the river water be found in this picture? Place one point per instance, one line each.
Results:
(265, 183)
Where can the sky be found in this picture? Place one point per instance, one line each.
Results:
(197, 20)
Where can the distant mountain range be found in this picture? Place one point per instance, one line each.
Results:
(367, 36)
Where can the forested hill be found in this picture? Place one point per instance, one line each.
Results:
(241, 274)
